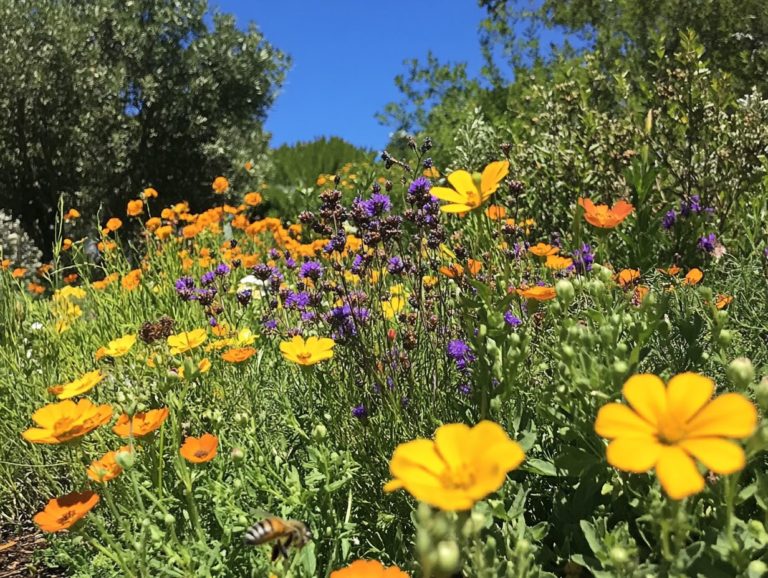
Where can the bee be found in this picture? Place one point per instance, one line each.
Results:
(285, 533)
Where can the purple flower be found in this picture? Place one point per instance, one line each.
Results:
(185, 287)
(419, 185)
(669, 219)
(262, 271)
(395, 266)
(312, 270)
(461, 354)
(270, 325)
(207, 278)
(359, 411)
(708, 242)
(512, 320)
(221, 270)
(274, 254)
(428, 163)
(290, 262)
(377, 205)
(297, 300)
(244, 297)
(212, 322)
(583, 259)
(357, 264)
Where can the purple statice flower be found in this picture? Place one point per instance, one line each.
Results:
(419, 185)
(395, 265)
(359, 411)
(670, 217)
(311, 269)
(221, 270)
(690, 207)
(377, 205)
(583, 259)
(207, 278)
(344, 319)
(205, 296)
(428, 163)
(336, 243)
(465, 388)
(511, 319)
(185, 288)
(707, 242)
(357, 264)
(262, 271)
(270, 325)
(290, 262)
(244, 297)
(461, 354)
(297, 300)
(276, 279)
(212, 322)
(274, 254)
(308, 316)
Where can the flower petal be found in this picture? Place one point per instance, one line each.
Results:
(719, 455)
(419, 452)
(687, 393)
(647, 396)
(462, 182)
(618, 420)
(678, 474)
(731, 415)
(446, 194)
(456, 208)
(492, 176)
(452, 442)
(637, 455)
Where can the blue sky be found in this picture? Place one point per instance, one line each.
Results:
(346, 54)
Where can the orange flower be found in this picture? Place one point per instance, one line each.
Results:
(149, 193)
(538, 293)
(191, 231)
(543, 250)
(66, 244)
(71, 215)
(253, 199)
(640, 293)
(220, 185)
(135, 208)
(18, 272)
(164, 232)
(557, 263)
(238, 355)
(141, 424)
(153, 224)
(131, 280)
(672, 271)
(248, 166)
(5, 263)
(627, 277)
(603, 216)
(62, 513)
(66, 420)
(453, 271)
(199, 450)
(114, 224)
(474, 267)
(693, 277)
(722, 301)
(35, 288)
(106, 467)
(495, 212)
(69, 279)
(369, 569)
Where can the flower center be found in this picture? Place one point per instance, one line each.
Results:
(671, 430)
(304, 355)
(461, 478)
(66, 516)
(201, 453)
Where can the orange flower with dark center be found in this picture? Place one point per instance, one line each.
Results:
(538, 293)
(369, 569)
(199, 450)
(627, 277)
(238, 355)
(603, 216)
(62, 513)
(106, 467)
(66, 420)
(141, 424)
(693, 277)
(135, 208)
(722, 301)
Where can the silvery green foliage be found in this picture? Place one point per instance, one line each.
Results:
(475, 142)
(16, 245)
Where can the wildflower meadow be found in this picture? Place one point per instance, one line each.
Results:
(474, 354)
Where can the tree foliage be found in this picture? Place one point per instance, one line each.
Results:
(99, 99)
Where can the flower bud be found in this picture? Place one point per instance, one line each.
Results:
(740, 372)
(725, 338)
(761, 393)
(319, 432)
(619, 556)
(448, 557)
(237, 454)
(565, 291)
(756, 569)
(125, 459)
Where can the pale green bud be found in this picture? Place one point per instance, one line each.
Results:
(740, 372)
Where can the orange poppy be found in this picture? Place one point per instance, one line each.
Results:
(495, 212)
(672, 271)
(149, 193)
(66, 420)
(220, 185)
(627, 277)
(722, 301)
(369, 569)
(142, 423)
(62, 513)
(557, 263)
(153, 224)
(543, 250)
(199, 450)
(474, 266)
(131, 280)
(640, 292)
(66, 244)
(253, 199)
(453, 271)
(603, 216)
(238, 355)
(69, 279)
(538, 293)
(35, 288)
(71, 214)
(693, 277)
(106, 467)
(18, 272)
(135, 208)
(114, 224)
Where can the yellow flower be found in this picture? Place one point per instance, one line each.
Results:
(557, 263)
(667, 428)
(309, 352)
(183, 342)
(466, 195)
(203, 366)
(461, 466)
(66, 420)
(392, 307)
(244, 338)
(117, 347)
(77, 387)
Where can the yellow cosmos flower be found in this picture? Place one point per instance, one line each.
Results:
(392, 307)
(117, 347)
(461, 466)
(668, 428)
(309, 352)
(465, 196)
(77, 387)
(66, 420)
(183, 342)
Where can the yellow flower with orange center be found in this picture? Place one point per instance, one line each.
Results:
(62, 513)
(465, 195)
(460, 467)
(117, 347)
(66, 420)
(183, 342)
(309, 352)
(670, 428)
(140, 424)
(79, 386)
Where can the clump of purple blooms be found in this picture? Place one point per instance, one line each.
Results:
(707, 243)
(311, 270)
(461, 353)
(583, 259)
